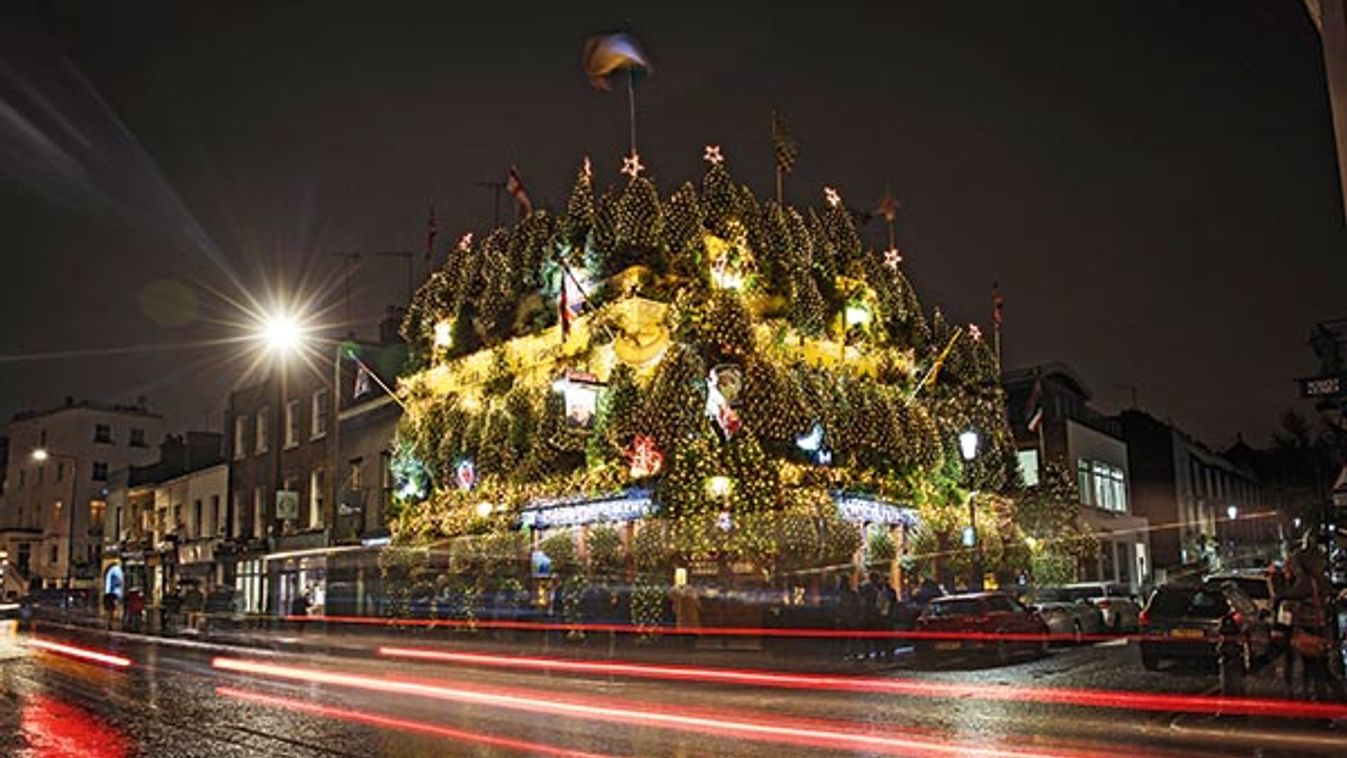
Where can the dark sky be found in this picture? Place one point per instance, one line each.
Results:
(1153, 184)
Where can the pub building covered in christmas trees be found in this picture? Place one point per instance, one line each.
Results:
(697, 389)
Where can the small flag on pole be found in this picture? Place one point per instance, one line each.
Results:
(784, 146)
(570, 301)
(888, 207)
(1033, 410)
(364, 381)
(606, 54)
(515, 186)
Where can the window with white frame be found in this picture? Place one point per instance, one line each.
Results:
(319, 414)
(1102, 485)
(317, 488)
(259, 528)
(1028, 462)
(291, 423)
(263, 424)
(240, 437)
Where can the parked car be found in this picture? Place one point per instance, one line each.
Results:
(1063, 615)
(983, 616)
(1255, 585)
(1115, 601)
(1192, 622)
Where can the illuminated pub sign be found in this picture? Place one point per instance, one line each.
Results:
(628, 505)
(863, 509)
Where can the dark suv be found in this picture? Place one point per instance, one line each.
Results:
(1193, 622)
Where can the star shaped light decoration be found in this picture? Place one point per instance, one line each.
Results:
(975, 332)
(831, 195)
(892, 258)
(631, 165)
(589, 170)
(712, 155)
(465, 242)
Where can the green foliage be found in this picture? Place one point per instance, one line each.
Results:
(560, 548)
(773, 406)
(604, 547)
(1050, 513)
(674, 402)
(616, 419)
(579, 210)
(640, 226)
(880, 551)
(719, 199)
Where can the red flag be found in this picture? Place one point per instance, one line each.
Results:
(515, 186)
(1033, 410)
(997, 302)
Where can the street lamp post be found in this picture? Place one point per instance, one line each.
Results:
(968, 447)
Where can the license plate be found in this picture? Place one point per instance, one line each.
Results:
(948, 645)
(1186, 633)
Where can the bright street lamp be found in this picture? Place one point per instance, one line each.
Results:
(281, 333)
(40, 454)
(1232, 512)
(968, 444)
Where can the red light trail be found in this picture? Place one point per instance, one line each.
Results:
(71, 651)
(388, 722)
(759, 727)
(1138, 701)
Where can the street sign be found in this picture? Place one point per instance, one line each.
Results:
(1321, 386)
(287, 505)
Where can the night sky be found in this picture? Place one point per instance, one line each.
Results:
(1153, 184)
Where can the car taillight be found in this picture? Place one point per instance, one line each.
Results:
(1144, 618)
(1237, 618)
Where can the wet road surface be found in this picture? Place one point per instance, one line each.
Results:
(177, 699)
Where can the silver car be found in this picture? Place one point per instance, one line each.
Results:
(1065, 616)
(1115, 601)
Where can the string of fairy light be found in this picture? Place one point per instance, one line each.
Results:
(748, 283)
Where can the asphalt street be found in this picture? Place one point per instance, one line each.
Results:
(184, 698)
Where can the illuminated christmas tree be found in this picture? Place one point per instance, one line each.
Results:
(756, 366)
